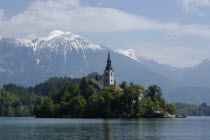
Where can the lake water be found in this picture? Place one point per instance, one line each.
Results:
(191, 128)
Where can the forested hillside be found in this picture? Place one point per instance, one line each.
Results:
(193, 110)
(17, 101)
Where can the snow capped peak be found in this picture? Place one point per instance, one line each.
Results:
(60, 41)
(129, 53)
(61, 35)
(133, 54)
(57, 42)
(54, 34)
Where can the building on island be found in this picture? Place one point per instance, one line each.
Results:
(108, 78)
(108, 73)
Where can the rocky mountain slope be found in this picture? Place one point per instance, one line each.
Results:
(28, 62)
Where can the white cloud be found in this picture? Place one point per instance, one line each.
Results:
(194, 5)
(70, 15)
(177, 56)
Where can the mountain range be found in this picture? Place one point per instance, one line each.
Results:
(29, 62)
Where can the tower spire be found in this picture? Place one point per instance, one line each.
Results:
(109, 63)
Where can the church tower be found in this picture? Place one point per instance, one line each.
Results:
(108, 73)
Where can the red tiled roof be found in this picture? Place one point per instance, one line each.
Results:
(117, 88)
(96, 83)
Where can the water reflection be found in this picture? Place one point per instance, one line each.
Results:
(133, 128)
(103, 129)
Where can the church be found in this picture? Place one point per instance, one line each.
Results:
(108, 78)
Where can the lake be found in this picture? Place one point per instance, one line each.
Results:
(191, 128)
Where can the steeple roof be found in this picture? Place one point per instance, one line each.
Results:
(109, 63)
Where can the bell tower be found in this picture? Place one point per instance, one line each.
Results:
(108, 73)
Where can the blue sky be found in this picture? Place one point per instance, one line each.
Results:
(175, 32)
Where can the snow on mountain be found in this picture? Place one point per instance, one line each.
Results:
(55, 41)
(57, 54)
(17, 42)
(54, 34)
(66, 40)
(23, 43)
(63, 43)
(133, 54)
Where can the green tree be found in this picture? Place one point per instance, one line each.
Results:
(132, 100)
(111, 101)
(57, 111)
(95, 106)
(150, 109)
(74, 90)
(131, 83)
(45, 110)
(153, 91)
(77, 106)
(171, 108)
(86, 89)
(124, 85)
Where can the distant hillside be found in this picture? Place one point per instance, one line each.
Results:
(190, 85)
(191, 95)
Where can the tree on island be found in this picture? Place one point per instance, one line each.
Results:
(76, 98)
(77, 101)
